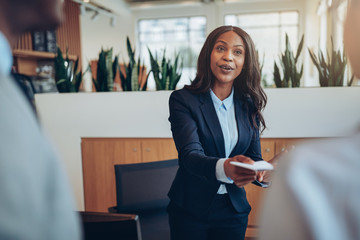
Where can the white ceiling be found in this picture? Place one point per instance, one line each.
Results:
(120, 7)
(160, 1)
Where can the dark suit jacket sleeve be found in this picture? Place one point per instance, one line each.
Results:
(254, 150)
(185, 133)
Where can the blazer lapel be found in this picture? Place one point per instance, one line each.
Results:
(212, 121)
(243, 127)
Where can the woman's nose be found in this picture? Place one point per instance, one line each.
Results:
(227, 56)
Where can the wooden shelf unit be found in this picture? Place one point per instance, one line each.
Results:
(67, 35)
(27, 61)
(18, 53)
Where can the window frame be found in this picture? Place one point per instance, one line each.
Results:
(188, 30)
(278, 26)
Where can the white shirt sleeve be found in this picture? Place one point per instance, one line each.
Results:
(220, 172)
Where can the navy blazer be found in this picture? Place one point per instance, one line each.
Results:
(200, 144)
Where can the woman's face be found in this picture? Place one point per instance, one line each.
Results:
(227, 58)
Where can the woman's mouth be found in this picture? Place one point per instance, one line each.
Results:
(226, 67)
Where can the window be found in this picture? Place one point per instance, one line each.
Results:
(185, 35)
(338, 15)
(268, 33)
(338, 20)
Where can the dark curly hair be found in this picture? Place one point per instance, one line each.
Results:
(247, 84)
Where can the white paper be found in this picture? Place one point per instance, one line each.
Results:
(257, 166)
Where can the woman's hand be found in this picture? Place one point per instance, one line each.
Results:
(240, 176)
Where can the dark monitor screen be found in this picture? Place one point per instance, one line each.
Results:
(109, 226)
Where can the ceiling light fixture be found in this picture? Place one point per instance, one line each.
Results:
(82, 10)
(87, 6)
(95, 16)
(113, 21)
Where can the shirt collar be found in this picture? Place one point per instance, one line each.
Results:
(228, 102)
(6, 59)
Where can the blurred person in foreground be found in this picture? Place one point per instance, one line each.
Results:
(316, 191)
(35, 199)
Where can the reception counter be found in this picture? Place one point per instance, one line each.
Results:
(140, 119)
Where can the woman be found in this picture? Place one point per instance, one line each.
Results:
(216, 120)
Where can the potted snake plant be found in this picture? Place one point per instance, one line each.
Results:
(166, 73)
(331, 72)
(288, 62)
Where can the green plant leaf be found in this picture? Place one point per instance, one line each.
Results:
(350, 82)
(277, 78)
(299, 48)
(76, 65)
(66, 76)
(78, 80)
(131, 53)
(332, 71)
(174, 73)
(96, 85)
(109, 70)
(101, 76)
(167, 74)
(59, 64)
(135, 79)
(129, 71)
(115, 67)
(164, 76)
(155, 69)
(288, 63)
(123, 79)
(146, 81)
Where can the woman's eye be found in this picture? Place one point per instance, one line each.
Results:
(219, 48)
(238, 52)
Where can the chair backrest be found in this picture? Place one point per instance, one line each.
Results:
(110, 226)
(144, 186)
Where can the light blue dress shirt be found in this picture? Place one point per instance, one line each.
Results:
(226, 114)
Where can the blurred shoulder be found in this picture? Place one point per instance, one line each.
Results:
(335, 151)
(329, 163)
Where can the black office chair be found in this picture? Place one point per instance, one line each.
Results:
(142, 189)
(110, 226)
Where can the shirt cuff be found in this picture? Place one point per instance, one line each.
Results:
(220, 172)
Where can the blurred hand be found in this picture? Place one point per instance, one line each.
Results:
(260, 175)
(266, 176)
(240, 176)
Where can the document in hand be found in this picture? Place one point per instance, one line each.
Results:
(257, 166)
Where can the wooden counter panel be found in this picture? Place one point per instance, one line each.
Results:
(99, 155)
